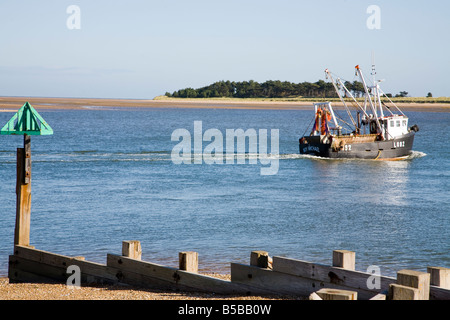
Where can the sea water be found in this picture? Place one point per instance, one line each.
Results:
(107, 175)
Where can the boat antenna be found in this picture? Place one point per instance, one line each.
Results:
(373, 73)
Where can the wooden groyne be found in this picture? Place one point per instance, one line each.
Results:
(264, 275)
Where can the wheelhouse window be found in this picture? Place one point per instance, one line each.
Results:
(398, 123)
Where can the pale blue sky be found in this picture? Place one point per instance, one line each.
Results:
(141, 49)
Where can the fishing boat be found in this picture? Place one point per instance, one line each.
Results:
(373, 130)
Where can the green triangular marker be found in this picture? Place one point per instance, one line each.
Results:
(27, 121)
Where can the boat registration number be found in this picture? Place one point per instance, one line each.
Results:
(348, 147)
(399, 144)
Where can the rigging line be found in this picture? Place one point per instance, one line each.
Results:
(341, 98)
(368, 79)
(314, 118)
(353, 98)
(388, 108)
(340, 118)
(391, 102)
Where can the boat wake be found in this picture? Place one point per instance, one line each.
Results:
(416, 154)
(412, 155)
(164, 155)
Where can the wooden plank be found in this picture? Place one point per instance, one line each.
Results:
(143, 275)
(272, 281)
(153, 275)
(23, 270)
(340, 277)
(153, 270)
(346, 278)
(293, 284)
(90, 271)
(438, 293)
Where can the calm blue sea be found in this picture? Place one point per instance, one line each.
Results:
(106, 176)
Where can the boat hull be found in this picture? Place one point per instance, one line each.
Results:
(393, 149)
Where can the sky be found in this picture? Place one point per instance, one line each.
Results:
(141, 49)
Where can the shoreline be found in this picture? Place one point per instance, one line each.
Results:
(12, 104)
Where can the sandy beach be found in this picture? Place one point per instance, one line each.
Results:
(12, 104)
(47, 291)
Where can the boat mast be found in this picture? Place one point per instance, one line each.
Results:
(376, 87)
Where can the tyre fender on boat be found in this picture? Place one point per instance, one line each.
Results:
(414, 128)
(373, 126)
(341, 144)
(337, 144)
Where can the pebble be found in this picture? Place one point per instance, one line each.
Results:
(44, 291)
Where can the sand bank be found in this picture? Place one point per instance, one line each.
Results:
(14, 103)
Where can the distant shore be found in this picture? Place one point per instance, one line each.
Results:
(10, 104)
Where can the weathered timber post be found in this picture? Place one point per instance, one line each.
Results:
(401, 292)
(411, 279)
(337, 294)
(26, 122)
(188, 261)
(260, 259)
(132, 249)
(23, 193)
(344, 259)
(439, 277)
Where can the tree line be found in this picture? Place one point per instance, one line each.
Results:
(267, 89)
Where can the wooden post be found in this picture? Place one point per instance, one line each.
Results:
(400, 292)
(132, 249)
(344, 259)
(188, 261)
(23, 192)
(439, 277)
(415, 279)
(27, 160)
(337, 294)
(260, 259)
